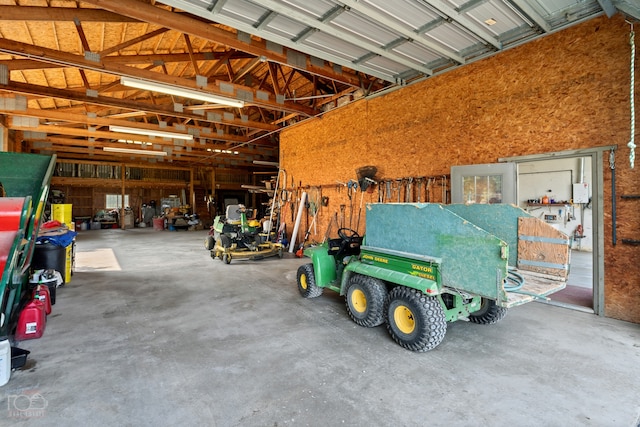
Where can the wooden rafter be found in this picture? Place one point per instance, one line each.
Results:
(100, 100)
(185, 24)
(132, 42)
(69, 59)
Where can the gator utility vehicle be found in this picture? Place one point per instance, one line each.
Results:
(423, 265)
(236, 236)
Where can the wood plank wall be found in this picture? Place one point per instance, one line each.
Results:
(568, 90)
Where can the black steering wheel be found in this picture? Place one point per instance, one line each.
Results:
(344, 236)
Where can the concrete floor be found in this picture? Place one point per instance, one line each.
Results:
(578, 293)
(175, 338)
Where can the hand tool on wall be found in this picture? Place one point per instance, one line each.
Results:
(300, 250)
(409, 196)
(360, 210)
(419, 188)
(380, 194)
(328, 232)
(388, 185)
(342, 208)
(428, 191)
(352, 187)
(399, 187)
(444, 189)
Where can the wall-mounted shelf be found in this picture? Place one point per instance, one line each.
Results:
(542, 205)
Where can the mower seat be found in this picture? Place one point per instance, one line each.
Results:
(233, 214)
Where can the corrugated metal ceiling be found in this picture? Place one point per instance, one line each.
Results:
(401, 40)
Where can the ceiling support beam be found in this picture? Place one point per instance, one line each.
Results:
(29, 64)
(49, 14)
(184, 24)
(84, 143)
(608, 7)
(99, 134)
(103, 101)
(71, 60)
(132, 42)
(69, 118)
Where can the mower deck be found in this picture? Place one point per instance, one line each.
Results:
(264, 250)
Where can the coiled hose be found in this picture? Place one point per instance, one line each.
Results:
(514, 281)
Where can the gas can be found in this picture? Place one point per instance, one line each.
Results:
(32, 321)
(42, 293)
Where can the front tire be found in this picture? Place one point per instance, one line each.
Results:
(415, 321)
(489, 313)
(307, 282)
(365, 300)
(209, 243)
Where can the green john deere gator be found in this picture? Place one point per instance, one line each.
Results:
(422, 265)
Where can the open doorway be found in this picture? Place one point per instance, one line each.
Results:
(559, 192)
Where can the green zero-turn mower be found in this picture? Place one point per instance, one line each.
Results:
(235, 237)
(422, 265)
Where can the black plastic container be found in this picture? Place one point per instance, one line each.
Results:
(18, 357)
(47, 255)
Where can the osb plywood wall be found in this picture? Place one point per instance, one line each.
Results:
(566, 91)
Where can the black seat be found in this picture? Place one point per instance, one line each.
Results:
(344, 247)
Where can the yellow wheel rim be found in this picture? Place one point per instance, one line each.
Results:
(303, 281)
(359, 301)
(404, 320)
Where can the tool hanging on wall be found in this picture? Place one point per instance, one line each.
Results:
(428, 191)
(300, 251)
(409, 195)
(444, 189)
(360, 210)
(399, 188)
(352, 187)
(342, 208)
(388, 185)
(419, 188)
(328, 232)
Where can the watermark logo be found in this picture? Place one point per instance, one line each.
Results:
(29, 404)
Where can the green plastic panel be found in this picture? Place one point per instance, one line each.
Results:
(472, 258)
(28, 176)
(324, 265)
(501, 220)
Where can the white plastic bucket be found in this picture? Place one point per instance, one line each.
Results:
(5, 362)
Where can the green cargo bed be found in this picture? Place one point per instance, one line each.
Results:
(478, 246)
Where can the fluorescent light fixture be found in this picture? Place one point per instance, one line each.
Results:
(177, 91)
(217, 150)
(134, 151)
(130, 141)
(146, 132)
(265, 163)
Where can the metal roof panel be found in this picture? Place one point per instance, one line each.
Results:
(409, 13)
(364, 28)
(285, 27)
